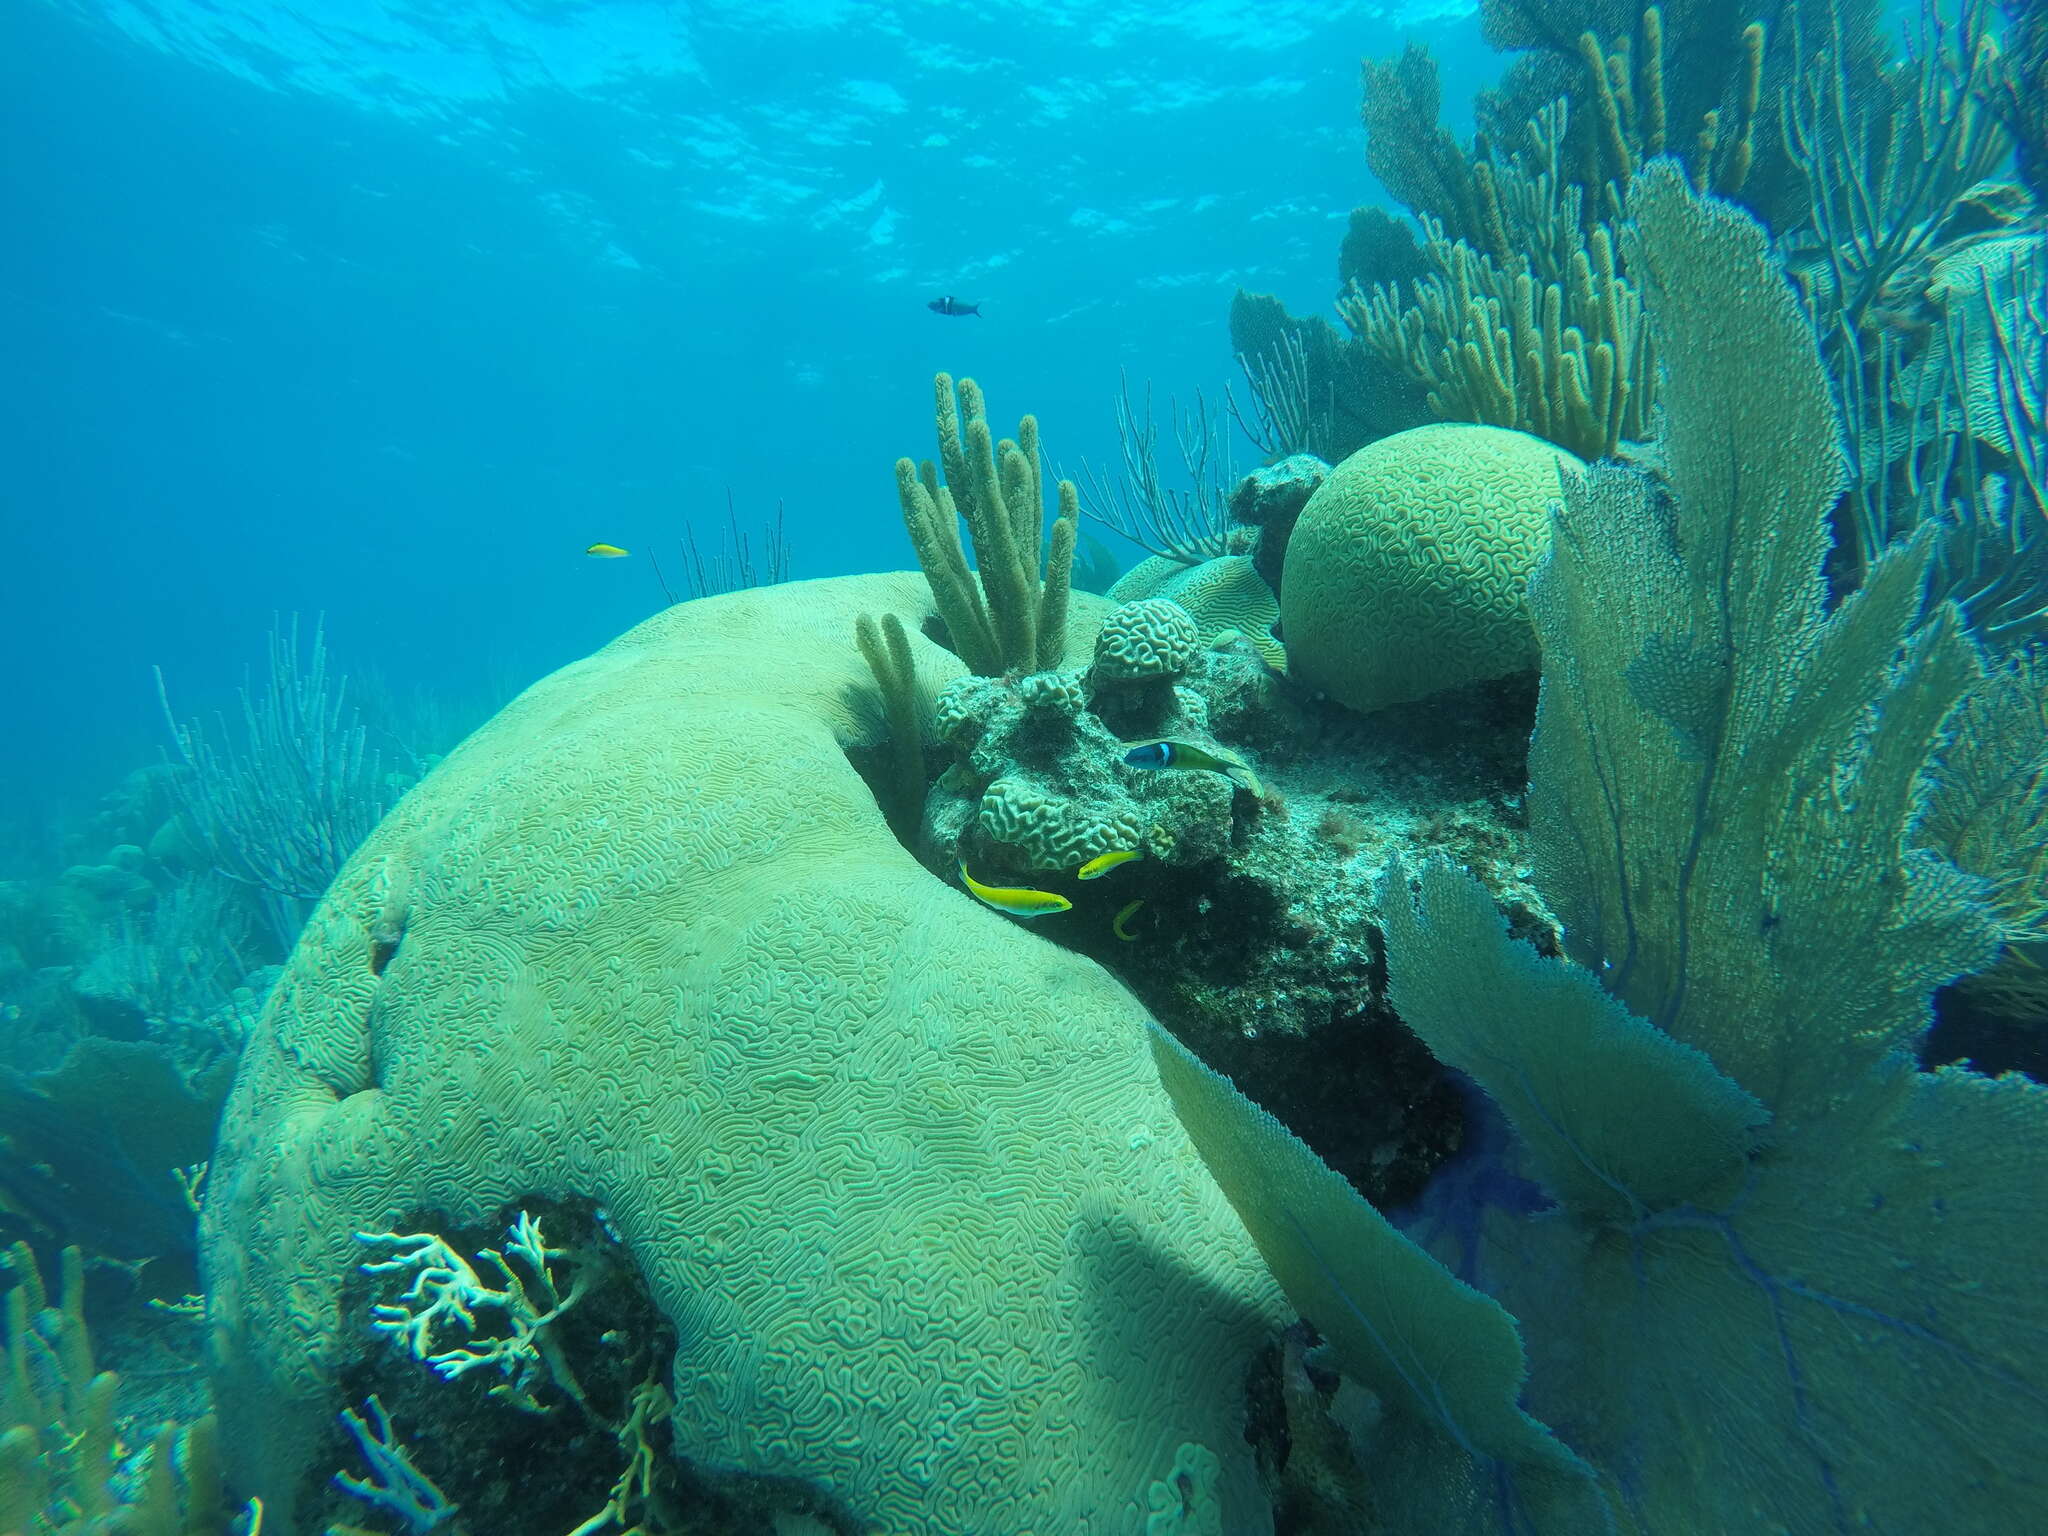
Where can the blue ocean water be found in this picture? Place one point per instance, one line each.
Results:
(386, 311)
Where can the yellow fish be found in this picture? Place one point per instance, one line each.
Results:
(1120, 927)
(1103, 863)
(1017, 900)
(607, 552)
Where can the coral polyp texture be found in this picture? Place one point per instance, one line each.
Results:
(1054, 833)
(1226, 596)
(1153, 637)
(1405, 573)
(899, 1172)
(1039, 782)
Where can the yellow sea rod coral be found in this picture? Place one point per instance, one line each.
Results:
(875, 1148)
(63, 1468)
(1405, 574)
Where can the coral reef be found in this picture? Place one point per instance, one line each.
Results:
(867, 1140)
(1243, 923)
(1865, 160)
(746, 953)
(1039, 762)
(1404, 574)
(1725, 783)
(873, 1203)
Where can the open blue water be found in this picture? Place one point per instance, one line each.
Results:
(386, 311)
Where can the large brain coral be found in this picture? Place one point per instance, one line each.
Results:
(1404, 575)
(898, 1170)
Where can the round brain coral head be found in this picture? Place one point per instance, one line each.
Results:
(1405, 574)
(1151, 638)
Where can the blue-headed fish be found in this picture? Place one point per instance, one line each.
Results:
(606, 552)
(1164, 753)
(952, 306)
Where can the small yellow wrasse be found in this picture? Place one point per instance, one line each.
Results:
(1103, 863)
(1117, 926)
(1017, 900)
(607, 552)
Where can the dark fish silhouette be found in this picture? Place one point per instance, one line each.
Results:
(952, 306)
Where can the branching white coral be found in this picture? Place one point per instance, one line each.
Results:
(447, 1291)
(394, 1484)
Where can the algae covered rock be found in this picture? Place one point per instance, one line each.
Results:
(1039, 784)
(1270, 499)
(1405, 572)
(897, 1170)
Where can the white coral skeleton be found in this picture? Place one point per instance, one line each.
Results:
(447, 1292)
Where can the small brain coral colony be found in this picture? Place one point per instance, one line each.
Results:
(1152, 637)
(1405, 572)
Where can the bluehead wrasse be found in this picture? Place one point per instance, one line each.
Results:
(1103, 863)
(1185, 754)
(1017, 900)
(1117, 925)
(607, 552)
